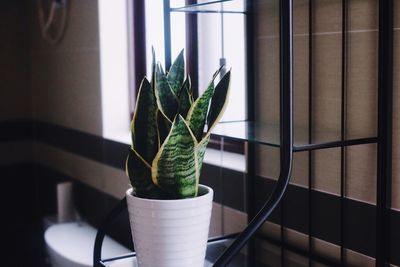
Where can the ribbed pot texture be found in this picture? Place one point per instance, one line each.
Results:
(170, 233)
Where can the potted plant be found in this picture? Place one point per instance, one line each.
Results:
(169, 211)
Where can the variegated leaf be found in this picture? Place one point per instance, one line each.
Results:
(176, 73)
(163, 127)
(219, 101)
(139, 173)
(144, 123)
(185, 100)
(201, 150)
(166, 99)
(197, 114)
(174, 168)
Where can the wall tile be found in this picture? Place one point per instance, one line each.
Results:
(326, 87)
(356, 259)
(267, 17)
(267, 253)
(72, 165)
(14, 50)
(361, 172)
(234, 221)
(327, 16)
(362, 15)
(216, 221)
(16, 152)
(82, 30)
(396, 12)
(67, 89)
(362, 84)
(267, 80)
(326, 171)
(268, 163)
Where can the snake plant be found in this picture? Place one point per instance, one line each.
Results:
(168, 132)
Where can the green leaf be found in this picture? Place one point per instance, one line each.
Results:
(201, 150)
(166, 99)
(144, 123)
(139, 173)
(219, 101)
(185, 100)
(163, 127)
(197, 114)
(176, 73)
(174, 168)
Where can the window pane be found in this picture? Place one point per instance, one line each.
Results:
(222, 41)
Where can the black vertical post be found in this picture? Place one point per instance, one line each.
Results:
(192, 51)
(250, 102)
(310, 129)
(343, 134)
(286, 134)
(167, 34)
(139, 47)
(385, 104)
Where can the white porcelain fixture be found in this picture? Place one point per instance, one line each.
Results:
(171, 233)
(71, 245)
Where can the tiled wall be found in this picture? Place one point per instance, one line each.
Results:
(361, 104)
(14, 93)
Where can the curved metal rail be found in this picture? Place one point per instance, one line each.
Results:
(286, 147)
(286, 134)
(121, 206)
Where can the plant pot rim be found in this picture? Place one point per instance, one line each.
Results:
(208, 190)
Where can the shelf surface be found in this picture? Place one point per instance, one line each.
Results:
(268, 134)
(209, 6)
(214, 250)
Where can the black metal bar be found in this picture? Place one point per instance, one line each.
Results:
(333, 144)
(250, 102)
(207, 11)
(385, 116)
(139, 47)
(167, 34)
(343, 133)
(310, 130)
(121, 206)
(192, 51)
(286, 134)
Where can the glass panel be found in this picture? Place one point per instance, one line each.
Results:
(214, 250)
(207, 6)
(266, 133)
(221, 41)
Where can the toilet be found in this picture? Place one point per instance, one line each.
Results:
(71, 245)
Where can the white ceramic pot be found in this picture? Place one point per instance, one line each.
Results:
(170, 233)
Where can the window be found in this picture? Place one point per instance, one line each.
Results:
(220, 40)
(114, 21)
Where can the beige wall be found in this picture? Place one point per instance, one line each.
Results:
(14, 63)
(65, 78)
(15, 95)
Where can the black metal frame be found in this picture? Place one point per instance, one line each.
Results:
(385, 117)
(383, 140)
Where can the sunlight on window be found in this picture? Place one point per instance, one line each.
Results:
(221, 40)
(114, 66)
(155, 32)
